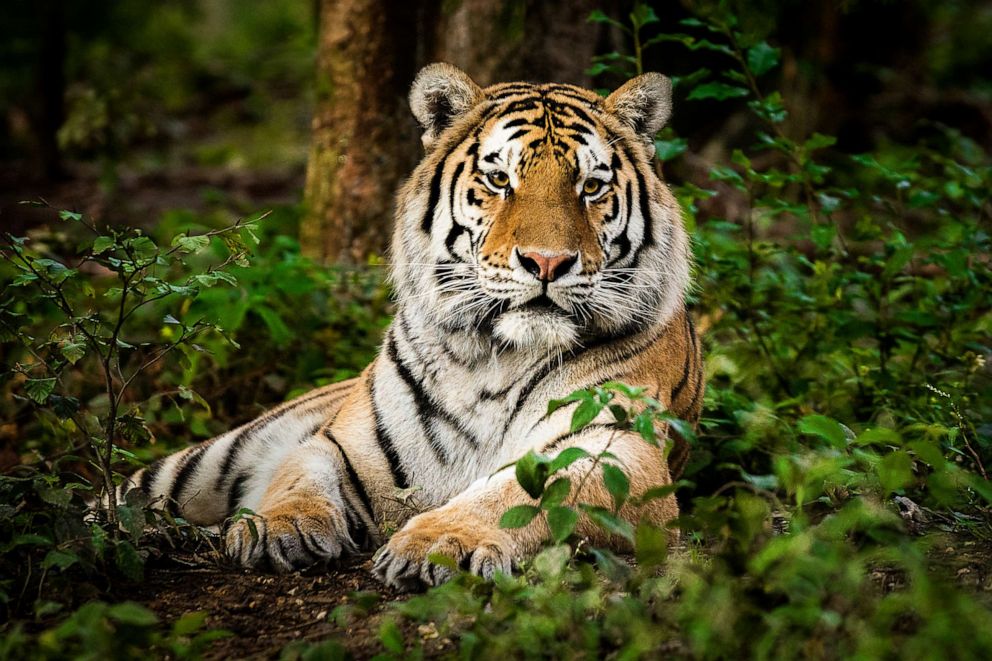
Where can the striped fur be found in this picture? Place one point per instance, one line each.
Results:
(418, 443)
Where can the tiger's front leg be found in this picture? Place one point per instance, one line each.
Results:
(305, 516)
(466, 529)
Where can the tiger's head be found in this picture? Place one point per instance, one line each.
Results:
(536, 216)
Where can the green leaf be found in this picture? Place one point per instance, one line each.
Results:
(644, 425)
(716, 90)
(585, 413)
(70, 215)
(39, 389)
(819, 141)
(556, 492)
(59, 559)
(882, 436)
(666, 150)
(929, 452)
(562, 521)
(391, 637)
(655, 493)
(278, 330)
(74, 349)
(642, 15)
(133, 520)
(531, 471)
(609, 522)
(142, 247)
(680, 427)
(190, 623)
(762, 58)
(577, 396)
(191, 244)
(616, 482)
(597, 16)
(128, 560)
(551, 562)
(895, 471)
(442, 560)
(826, 428)
(650, 545)
(102, 244)
(133, 614)
(566, 458)
(518, 516)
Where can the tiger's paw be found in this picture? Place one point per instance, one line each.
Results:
(474, 546)
(287, 540)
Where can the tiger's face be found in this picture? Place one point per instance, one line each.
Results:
(536, 217)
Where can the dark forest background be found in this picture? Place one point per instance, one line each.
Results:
(126, 110)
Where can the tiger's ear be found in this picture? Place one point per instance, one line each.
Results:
(440, 94)
(643, 103)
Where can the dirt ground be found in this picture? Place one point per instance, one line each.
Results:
(265, 612)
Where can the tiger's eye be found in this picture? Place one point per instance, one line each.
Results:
(592, 186)
(499, 179)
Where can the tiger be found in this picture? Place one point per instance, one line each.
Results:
(535, 252)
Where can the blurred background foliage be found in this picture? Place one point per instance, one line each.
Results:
(833, 160)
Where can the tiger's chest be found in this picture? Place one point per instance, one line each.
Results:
(452, 413)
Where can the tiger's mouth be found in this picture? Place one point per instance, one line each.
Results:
(542, 302)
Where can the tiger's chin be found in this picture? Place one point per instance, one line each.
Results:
(542, 330)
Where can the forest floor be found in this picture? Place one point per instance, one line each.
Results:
(266, 612)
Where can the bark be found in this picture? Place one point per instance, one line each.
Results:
(536, 40)
(364, 139)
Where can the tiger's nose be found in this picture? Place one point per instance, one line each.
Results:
(547, 267)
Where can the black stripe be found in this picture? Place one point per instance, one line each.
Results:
(426, 407)
(193, 460)
(581, 129)
(697, 360)
(554, 443)
(386, 444)
(518, 133)
(454, 182)
(645, 205)
(623, 239)
(573, 96)
(456, 231)
(578, 112)
(306, 543)
(677, 390)
(148, 477)
(282, 551)
(435, 194)
(237, 492)
(530, 103)
(257, 424)
(352, 475)
(358, 530)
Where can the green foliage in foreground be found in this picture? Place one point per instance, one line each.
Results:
(847, 312)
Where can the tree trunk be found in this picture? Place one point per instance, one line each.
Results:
(364, 138)
(507, 40)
